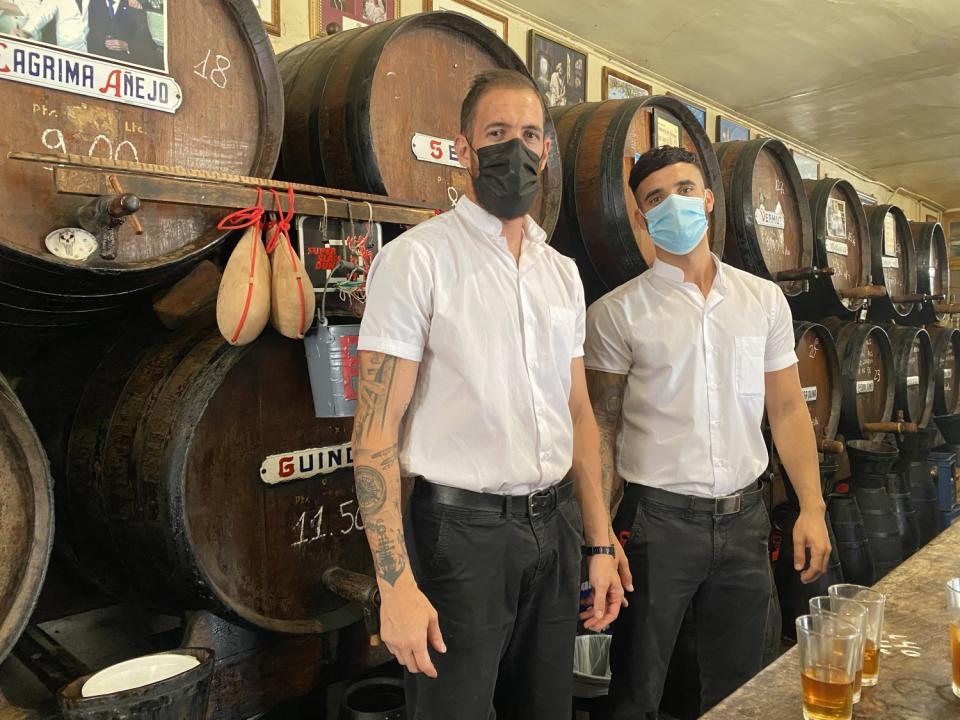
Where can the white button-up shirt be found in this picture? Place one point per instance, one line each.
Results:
(495, 341)
(72, 23)
(695, 369)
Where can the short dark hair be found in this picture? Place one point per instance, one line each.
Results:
(657, 159)
(500, 79)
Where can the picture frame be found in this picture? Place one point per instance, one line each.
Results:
(331, 16)
(498, 23)
(615, 85)
(809, 167)
(270, 14)
(728, 130)
(559, 71)
(866, 200)
(932, 218)
(666, 130)
(698, 111)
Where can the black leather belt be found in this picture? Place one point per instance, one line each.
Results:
(533, 505)
(726, 505)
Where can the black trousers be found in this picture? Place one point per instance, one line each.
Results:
(683, 555)
(506, 588)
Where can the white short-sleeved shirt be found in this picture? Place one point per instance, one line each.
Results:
(490, 411)
(695, 375)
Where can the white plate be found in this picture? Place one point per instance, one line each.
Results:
(137, 673)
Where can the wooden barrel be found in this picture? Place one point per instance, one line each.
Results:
(819, 370)
(771, 230)
(26, 518)
(867, 372)
(933, 269)
(893, 263)
(364, 105)
(841, 241)
(600, 142)
(914, 368)
(198, 477)
(856, 558)
(946, 369)
(230, 120)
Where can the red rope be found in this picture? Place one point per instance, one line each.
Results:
(237, 221)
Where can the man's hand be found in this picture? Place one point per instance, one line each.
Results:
(623, 567)
(810, 532)
(407, 622)
(20, 33)
(606, 595)
(117, 45)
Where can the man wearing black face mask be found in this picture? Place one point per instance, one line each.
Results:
(476, 325)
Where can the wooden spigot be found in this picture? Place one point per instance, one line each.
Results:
(797, 274)
(831, 447)
(865, 292)
(361, 589)
(134, 220)
(898, 426)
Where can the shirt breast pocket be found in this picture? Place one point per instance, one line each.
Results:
(562, 329)
(749, 364)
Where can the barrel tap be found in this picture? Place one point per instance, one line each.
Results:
(361, 589)
(104, 215)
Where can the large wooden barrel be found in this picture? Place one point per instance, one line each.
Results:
(893, 263)
(914, 367)
(364, 105)
(867, 372)
(771, 230)
(26, 518)
(819, 370)
(933, 269)
(841, 241)
(198, 477)
(230, 120)
(946, 369)
(600, 142)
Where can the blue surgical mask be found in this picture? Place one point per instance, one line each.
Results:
(678, 224)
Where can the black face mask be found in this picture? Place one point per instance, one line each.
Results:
(507, 179)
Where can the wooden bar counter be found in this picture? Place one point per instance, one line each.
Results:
(915, 661)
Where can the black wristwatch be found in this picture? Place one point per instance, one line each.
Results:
(589, 550)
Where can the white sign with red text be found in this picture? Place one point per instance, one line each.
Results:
(303, 464)
(428, 148)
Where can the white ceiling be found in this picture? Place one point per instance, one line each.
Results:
(875, 83)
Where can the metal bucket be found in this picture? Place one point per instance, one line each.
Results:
(374, 699)
(334, 368)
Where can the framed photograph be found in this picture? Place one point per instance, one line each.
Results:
(493, 20)
(331, 16)
(700, 113)
(728, 130)
(270, 13)
(867, 200)
(837, 218)
(617, 86)
(932, 218)
(666, 130)
(809, 167)
(559, 71)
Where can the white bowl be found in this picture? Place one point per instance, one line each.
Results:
(137, 673)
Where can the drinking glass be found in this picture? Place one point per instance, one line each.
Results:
(855, 614)
(828, 647)
(873, 602)
(953, 612)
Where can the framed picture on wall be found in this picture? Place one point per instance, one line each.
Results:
(559, 71)
(809, 167)
(331, 16)
(728, 130)
(616, 85)
(493, 20)
(932, 218)
(666, 130)
(270, 14)
(700, 113)
(867, 199)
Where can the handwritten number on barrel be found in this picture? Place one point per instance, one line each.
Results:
(218, 74)
(355, 522)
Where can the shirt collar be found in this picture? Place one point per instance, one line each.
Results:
(491, 226)
(674, 274)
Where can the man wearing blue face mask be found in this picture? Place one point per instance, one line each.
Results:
(681, 363)
(472, 382)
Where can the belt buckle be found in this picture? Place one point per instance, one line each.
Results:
(721, 502)
(531, 500)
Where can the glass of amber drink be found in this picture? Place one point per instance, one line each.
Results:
(828, 647)
(855, 614)
(953, 612)
(873, 602)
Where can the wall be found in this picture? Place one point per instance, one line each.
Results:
(295, 21)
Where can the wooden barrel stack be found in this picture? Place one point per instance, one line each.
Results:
(196, 476)
(26, 519)
(771, 230)
(598, 143)
(230, 120)
(359, 101)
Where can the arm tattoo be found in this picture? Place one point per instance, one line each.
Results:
(389, 556)
(606, 396)
(387, 457)
(376, 382)
(371, 490)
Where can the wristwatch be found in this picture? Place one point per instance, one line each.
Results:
(589, 550)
